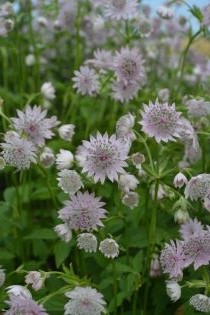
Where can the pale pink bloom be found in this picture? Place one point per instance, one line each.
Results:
(83, 211)
(84, 301)
(165, 12)
(180, 180)
(69, 181)
(191, 228)
(24, 306)
(198, 107)
(172, 259)
(197, 187)
(17, 151)
(35, 125)
(127, 182)
(131, 199)
(120, 9)
(161, 121)
(173, 290)
(48, 91)
(18, 290)
(63, 232)
(129, 65)
(102, 157)
(102, 59)
(124, 127)
(109, 248)
(66, 132)
(125, 91)
(64, 160)
(36, 279)
(206, 16)
(155, 268)
(86, 81)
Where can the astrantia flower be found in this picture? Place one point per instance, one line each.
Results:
(103, 157)
(165, 12)
(83, 212)
(109, 248)
(172, 259)
(197, 187)
(164, 95)
(198, 107)
(18, 290)
(161, 121)
(124, 127)
(48, 91)
(66, 132)
(120, 9)
(102, 59)
(64, 159)
(69, 181)
(86, 81)
(47, 158)
(84, 301)
(131, 199)
(191, 228)
(129, 65)
(34, 124)
(180, 180)
(2, 276)
(125, 91)
(173, 290)
(127, 182)
(35, 279)
(87, 241)
(200, 302)
(24, 306)
(181, 216)
(17, 151)
(63, 232)
(155, 268)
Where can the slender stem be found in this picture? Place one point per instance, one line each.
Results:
(115, 287)
(142, 140)
(134, 302)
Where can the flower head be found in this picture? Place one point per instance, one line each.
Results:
(120, 9)
(125, 91)
(84, 301)
(87, 241)
(200, 302)
(48, 91)
(86, 81)
(180, 180)
(35, 278)
(66, 132)
(24, 306)
(172, 259)
(191, 228)
(64, 159)
(197, 187)
(2, 276)
(109, 248)
(198, 107)
(63, 232)
(127, 182)
(173, 290)
(34, 124)
(83, 211)
(18, 290)
(103, 157)
(161, 121)
(131, 199)
(124, 127)
(165, 12)
(17, 151)
(69, 181)
(128, 65)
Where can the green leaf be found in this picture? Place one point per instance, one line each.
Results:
(5, 255)
(61, 251)
(41, 234)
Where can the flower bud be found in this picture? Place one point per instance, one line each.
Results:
(47, 158)
(127, 182)
(63, 232)
(131, 200)
(66, 132)
(48, 91)
(18, 290)
(181, 216)
(164, 12)
(64, 160)
(180, 180)
(35, 278)
(173, 290)
(137, 159)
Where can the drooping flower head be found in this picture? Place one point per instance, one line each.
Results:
(86, 81)
(197, 187)
(120, 9)
(172, 259)
(191, 228)
(35, 125)
(200, 302)
(88, 242)
(69, 181)
(83, 211)
(129, 65)
(161, 121)
(103, 157)
(17, 151)
(24, 306)
(124, 127)
(109, 248)
(84, 301)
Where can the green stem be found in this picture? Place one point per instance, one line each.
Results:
(115, 287)
(142, 140)
(134, 302)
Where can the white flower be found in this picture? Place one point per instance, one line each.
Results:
(47, 157)
(35, 278)
(42, 21)
(180, 180)
(109, 248)
(87, 241)
(124, 127)
(30, 60)
(200, 302)
(143, 25)
(165, 12)
(181, 216)
(86, 81)
(173, 290)
(64, 160)
(18, 290)
(2, 276)
(69, 181)
(161, 192)
(63, 232)
(127, 182)
(137, 159)
(48, 91)
(66, 132)
(131, 200)
(163, 95)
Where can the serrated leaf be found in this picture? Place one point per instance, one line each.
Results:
(41, 234)
(61, 251)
